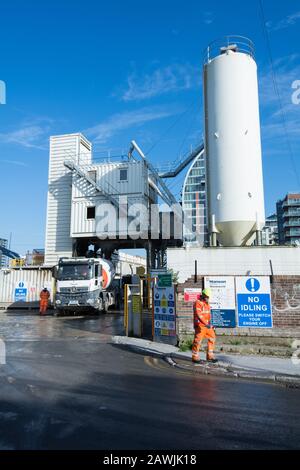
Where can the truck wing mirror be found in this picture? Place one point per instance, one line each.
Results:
(54, 271)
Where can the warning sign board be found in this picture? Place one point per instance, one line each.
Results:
(254, 302)
(222, 300)
(164, 311)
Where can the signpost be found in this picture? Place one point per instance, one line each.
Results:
(156, 272)
(254, 302)
(164, 317)
(21, 292)
(222, 301)
(164, 280)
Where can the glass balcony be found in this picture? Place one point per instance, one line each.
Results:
(291, 203)
(292, 223)
(292, 213)
(292, 233)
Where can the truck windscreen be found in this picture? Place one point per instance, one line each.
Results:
(79, 272)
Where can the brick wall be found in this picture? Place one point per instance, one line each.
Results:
(285, 305)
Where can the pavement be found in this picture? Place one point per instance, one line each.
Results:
(270, 369)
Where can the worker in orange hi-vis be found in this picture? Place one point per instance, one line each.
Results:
(44, 299)
(203, 328)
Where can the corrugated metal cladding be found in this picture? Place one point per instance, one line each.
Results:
(108, 176)
(81, 226)
(34, 281)
(58, 241)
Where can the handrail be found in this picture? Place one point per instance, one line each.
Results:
(184, 162)
(242, 43)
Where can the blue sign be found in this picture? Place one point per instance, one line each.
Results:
(252, 285)
(254, 310)
(223, 318)
(20, 292)
(254, 305)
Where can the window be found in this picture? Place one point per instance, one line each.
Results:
(123, 174)
(98, 270)
(92, 174)
(74, 271)
(90, 212)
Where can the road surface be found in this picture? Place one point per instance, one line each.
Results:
(66, 386)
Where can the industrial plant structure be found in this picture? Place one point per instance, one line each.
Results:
(94, 204)
(108, 205)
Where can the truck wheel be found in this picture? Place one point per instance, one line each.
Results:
(106, 305)
(100, 306)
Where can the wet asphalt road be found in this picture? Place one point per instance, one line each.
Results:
(65, 386)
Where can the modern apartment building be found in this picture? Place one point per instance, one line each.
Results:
(270, 231)
(288, 216)
(194, 203)
(3, 259)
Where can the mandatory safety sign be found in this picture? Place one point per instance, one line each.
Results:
(20, 292)
(253, 295)
(164, 311)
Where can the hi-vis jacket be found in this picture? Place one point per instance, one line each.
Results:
(44, 296)
(202, 315)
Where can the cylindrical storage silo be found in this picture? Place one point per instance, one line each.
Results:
(232, 139)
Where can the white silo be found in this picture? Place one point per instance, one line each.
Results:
(232, 139)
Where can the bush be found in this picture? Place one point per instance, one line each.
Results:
(186, 345)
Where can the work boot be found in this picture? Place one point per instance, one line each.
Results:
(196, 361)
(213, 360)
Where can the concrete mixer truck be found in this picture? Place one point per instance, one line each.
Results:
(85, 284)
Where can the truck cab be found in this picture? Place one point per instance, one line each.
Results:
(79, 284)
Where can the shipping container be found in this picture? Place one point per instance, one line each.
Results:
(21, 287)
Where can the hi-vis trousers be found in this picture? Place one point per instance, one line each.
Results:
(43, 306)
(201, 333)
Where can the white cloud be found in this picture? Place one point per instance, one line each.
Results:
(172, 78)
(14, 162)
(102, 132)
(286, 70)
(26, 137)
(208, 17)
(285, 22)
(31, 134)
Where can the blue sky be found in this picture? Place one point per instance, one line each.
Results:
(129, 69)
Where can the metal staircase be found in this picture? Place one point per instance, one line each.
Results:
(78, 170)
(9, 253)
(183, 163)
